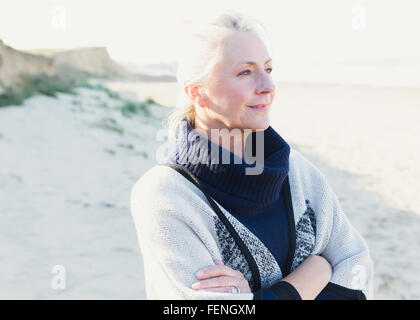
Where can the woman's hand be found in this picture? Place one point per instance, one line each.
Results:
(221, 278)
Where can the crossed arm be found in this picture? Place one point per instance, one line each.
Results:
(305, 282)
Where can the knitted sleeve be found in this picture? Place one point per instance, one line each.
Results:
(175, 240)
(345, 249)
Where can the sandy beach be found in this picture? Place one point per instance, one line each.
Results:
(68, 165)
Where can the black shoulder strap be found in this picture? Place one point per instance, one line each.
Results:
(250, 259)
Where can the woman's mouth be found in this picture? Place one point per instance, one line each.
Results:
(259, 107)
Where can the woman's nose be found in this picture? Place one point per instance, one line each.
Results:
(266, 85)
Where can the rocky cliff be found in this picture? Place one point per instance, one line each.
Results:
(89, 62)
(14, 63)
(92, 61)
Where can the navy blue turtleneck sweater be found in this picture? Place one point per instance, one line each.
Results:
(255, 200)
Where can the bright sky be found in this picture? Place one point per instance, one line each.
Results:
(303, 32)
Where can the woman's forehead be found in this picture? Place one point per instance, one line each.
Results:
(242, 48)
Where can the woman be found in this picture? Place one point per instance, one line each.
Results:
(280, 205)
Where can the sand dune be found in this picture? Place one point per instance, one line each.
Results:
(66, 172)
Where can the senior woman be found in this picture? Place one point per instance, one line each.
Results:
(285, 212)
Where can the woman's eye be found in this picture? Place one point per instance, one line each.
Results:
(244, 72)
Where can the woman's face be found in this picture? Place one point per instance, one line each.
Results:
(242, 79)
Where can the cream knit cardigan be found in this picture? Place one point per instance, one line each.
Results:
(179, 234)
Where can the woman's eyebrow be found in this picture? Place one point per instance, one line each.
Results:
(251, 62)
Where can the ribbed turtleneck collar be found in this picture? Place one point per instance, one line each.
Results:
(193, 151)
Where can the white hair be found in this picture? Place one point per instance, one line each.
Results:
(201, 54)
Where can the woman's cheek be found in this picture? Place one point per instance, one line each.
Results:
(241, 96)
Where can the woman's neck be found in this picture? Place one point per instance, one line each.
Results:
(229, 139)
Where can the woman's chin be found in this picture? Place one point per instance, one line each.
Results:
(260, 124)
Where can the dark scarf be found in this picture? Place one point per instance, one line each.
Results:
(262, 189)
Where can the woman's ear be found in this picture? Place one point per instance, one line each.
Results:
(193, 93)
